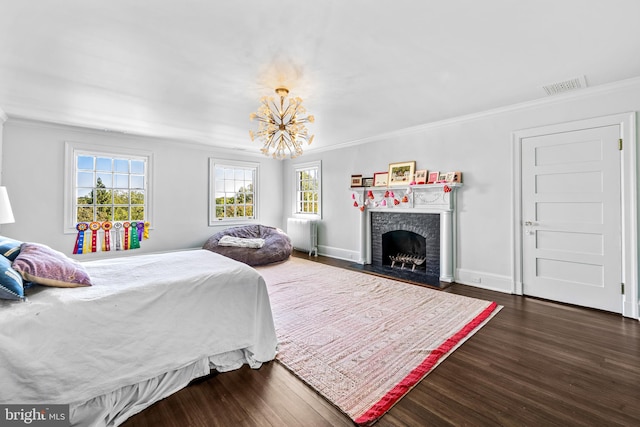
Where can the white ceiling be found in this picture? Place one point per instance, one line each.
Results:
(194, 70)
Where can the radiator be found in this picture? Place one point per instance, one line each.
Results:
(303, 234)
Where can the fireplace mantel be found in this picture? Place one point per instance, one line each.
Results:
(427, 199)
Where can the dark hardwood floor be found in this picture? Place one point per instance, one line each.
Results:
(536, 363)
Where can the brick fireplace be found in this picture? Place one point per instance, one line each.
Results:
(421, 230)
(410, 237)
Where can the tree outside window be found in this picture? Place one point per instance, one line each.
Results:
(109, 189)
(307, 184)
(234, 191)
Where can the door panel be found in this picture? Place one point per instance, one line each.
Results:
(571, 208)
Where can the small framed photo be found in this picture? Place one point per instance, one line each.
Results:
(433, 177)
(454, 176)
(442, 178)
(356, 180)
(380, 179)
(367, 182)
(401, 173)
(421, 177)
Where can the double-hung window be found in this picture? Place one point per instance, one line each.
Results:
(308, 186)
(105, 184)
(233, 191)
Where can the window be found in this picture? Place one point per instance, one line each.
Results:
(233, 189)
(106, 185)
(308, 189)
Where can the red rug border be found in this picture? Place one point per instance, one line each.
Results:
(417, 374)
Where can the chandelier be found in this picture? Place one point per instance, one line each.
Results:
(281, 126)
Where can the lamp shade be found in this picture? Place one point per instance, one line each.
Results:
(6, 214)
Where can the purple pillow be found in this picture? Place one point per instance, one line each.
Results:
(40, 264)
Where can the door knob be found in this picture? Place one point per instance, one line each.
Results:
(529, 224)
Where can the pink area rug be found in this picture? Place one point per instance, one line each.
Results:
(363, 341)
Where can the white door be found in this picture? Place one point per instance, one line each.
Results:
(571, 217)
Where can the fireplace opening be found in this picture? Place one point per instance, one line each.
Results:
(404, 249)
(408, 237)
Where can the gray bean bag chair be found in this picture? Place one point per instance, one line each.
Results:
(277, 245)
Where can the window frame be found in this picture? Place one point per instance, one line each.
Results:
(296, 169)
(213, 163)
(75, 149)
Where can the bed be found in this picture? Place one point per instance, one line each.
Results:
(147, 326)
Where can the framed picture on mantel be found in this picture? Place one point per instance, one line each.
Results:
(421, 177)
(401, 173)
(380, 179)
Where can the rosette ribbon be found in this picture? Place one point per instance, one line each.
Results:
(106, 243)
(117, 226)
(94, 227)
(127, 226)
(135, 241)
(81, 227)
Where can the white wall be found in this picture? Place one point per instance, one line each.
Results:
(480, 147)
(3, 118)
(33, 172)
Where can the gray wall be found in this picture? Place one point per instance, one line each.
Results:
(478, 145)
(33, 172)
(481, 147)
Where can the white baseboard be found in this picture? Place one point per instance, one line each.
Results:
(339, 253)
(484, 280)
(479, 279)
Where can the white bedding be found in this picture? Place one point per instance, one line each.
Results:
(144, 315)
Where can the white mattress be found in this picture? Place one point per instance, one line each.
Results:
(143, 316)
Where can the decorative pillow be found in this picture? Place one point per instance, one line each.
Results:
(40, 264)
(11, 286)
(9, 248)
(241, 242)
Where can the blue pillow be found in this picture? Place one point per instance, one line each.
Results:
(11, 284)
(9, 248)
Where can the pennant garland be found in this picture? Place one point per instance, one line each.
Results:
(370, 199)
(110, 236)
(388, 194)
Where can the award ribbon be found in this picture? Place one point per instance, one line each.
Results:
(94, 227)
(106, 226)
(140, 230)
(81, 227)
(145, 234)
(87, 241)
(117, 226)
(135, 243)
(126, 226)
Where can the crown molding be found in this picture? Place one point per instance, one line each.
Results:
(553, 99)
(193, 144)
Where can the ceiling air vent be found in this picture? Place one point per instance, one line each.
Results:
(566, 86)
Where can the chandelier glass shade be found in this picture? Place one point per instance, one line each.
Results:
(281, 125)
